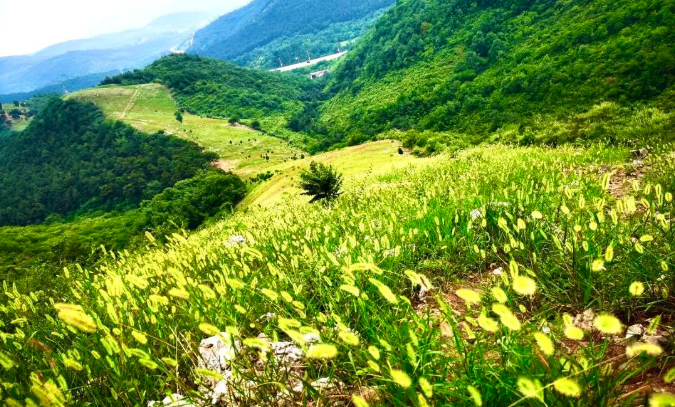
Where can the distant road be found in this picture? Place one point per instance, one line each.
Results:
(310, 62)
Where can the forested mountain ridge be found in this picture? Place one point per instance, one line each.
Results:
(72, 159)
(221, 89)
(263, 21)
(475, 67)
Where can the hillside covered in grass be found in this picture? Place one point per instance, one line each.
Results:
(460, 280)
(151, 108)
(212, 88)
(473, 68)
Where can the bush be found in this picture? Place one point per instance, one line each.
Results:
(321, 182)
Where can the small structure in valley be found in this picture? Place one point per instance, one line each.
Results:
(318, 74)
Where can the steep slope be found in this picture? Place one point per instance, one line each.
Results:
(219, 89)
(102, 54)
(263, 21)
(70, 158)
(150, 108)
(475, 67)
(296, 48)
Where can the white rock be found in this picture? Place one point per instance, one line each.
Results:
(235, 240)
(498, 271)
(311, 339)
(635, 331)
(475, 214)
(218, 352)
(286, 352)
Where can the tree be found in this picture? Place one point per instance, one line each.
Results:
(255, 125)
(179, 116)
(321, 182)
(234, 119)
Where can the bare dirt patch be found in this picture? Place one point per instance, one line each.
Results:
(226, 165)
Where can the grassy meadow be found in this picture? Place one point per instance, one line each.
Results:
(150, 108)
(461, 280)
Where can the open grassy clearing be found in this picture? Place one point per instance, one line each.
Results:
(150, 108)
(447, 283)
(355, 163)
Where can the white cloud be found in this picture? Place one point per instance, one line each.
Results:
(27, 26)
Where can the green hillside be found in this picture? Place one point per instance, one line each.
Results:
(70, 158)
(262, 22)
(453, 283)
(477, 67)
(150, 108)
(295, 48)
(218, 89)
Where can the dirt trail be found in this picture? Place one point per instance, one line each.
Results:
(132, 102)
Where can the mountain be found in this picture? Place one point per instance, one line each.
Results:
(68, 85)
(102, 54)
(70, 158)
(264, 21)
(477, 67)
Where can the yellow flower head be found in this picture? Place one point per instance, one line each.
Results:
(567, 387)
(531, 389)
(487, 323)
(469, 296)
(499, 295)
(475, 396)
(359, 401)
(401, 378)
(608, 324)
(545, 343)
(662, 400)
(643, 348)
(573, 333)
(506, 317)
(636, 289)
(322, 351)
(524, 285)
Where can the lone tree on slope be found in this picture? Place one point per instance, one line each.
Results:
(321, 182)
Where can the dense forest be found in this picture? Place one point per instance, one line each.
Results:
(296, 48)
(476, 67)
(215, 88)
(71, 159)
(263, 21)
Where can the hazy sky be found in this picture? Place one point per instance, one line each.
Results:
(27, 26)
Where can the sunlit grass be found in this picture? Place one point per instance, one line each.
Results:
(444, 281)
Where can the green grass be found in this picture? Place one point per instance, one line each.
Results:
(355, 163)
(150, 108)
(571, 228)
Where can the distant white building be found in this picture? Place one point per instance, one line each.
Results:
(317, 74)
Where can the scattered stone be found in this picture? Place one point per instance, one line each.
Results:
(635, 331)
(498, 271)
(641, 153)
(219, 352)
(237, 240)
(585, 320)
(475, 214)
